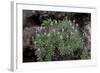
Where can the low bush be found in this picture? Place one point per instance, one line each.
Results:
(63, 37)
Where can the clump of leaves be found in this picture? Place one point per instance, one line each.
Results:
(45, 48)
(63, 37)
(70, 39)
(47, 22)
(85, 55)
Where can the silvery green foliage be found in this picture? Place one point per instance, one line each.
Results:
(63, 37)
(47, 22)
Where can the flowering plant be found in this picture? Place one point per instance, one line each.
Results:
(60, 42)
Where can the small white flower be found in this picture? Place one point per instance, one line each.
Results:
(71, 33)
(61, 37)
(53, 30)
(76, 25)
(55, 22)
(73, 27)
(67, 36)
(75, 30)
(38, 49)
(62, 30)
(73, 21)
(70, 22)
(48, 34)
(45, 33)
(34, 42)
(58, 32)
(38, 35)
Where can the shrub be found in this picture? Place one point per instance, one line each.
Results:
(64, 37)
